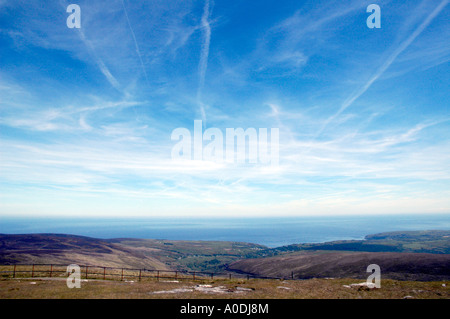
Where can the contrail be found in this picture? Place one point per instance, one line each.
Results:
(386, 64)
(103, 68)
(203, 63)
(135, 42)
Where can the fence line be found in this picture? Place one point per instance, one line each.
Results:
(104, 272)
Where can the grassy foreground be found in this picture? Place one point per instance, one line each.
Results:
(50, 288)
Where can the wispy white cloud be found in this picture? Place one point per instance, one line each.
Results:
(63, 140)
(289, 44)
(72, 117)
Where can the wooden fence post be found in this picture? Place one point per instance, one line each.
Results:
(104, 273)
(140, 274)
(87, 271)
(157, 275)
(14, 273)
(32, 272)
(193, 276)
(121, 278)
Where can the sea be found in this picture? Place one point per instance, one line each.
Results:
(268, 231)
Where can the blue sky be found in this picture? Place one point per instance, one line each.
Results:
(86, 115)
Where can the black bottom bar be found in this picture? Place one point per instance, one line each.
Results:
(225, 308)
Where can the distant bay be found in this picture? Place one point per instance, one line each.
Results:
(272, 232)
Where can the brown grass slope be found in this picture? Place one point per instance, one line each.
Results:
(70, 249)
(256, 289)
(304, 265)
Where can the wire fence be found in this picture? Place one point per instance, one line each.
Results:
(113, 273)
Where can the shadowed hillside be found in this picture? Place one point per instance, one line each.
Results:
(321, 264)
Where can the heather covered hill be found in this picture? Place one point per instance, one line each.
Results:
(324, 264)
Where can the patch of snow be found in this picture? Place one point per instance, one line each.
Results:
(205, 289)
(281, 287)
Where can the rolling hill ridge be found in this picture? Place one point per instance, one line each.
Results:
(413, 255)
